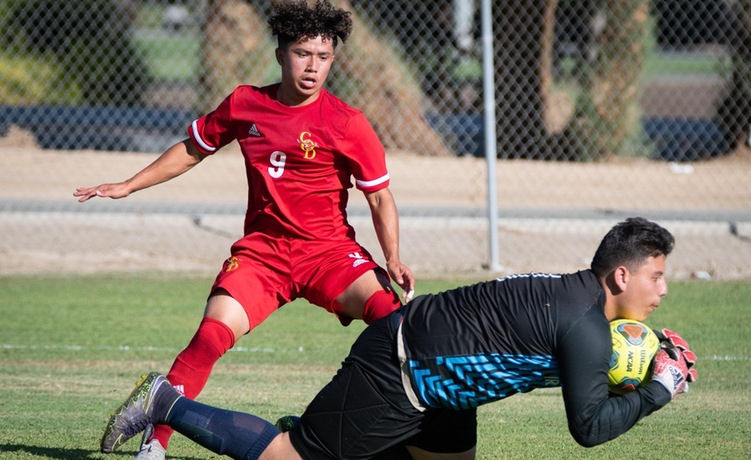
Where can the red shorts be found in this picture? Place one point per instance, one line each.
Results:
(265, 272)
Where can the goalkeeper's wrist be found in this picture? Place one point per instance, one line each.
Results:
(672, 379)
(664, 386)
(656, 394)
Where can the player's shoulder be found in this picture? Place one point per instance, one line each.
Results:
(338, 106)
(533, 279)
(579, 287)
(253, 94)
(581, 296)
(567, 291)
(584, 279)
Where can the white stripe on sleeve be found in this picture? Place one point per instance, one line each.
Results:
(372, 183)
(197, 137)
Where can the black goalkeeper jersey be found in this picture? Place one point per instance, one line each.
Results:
(481, 343)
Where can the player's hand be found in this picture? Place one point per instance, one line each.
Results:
(115, 191)
(672, 340)
(402, 276)
(671, 371)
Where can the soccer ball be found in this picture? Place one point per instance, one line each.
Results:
(634, 346)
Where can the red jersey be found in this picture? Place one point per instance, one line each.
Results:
(299, 160)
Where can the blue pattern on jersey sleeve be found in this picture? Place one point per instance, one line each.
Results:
(466, 382)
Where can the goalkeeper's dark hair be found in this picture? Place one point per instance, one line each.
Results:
(293, 20)
(630, 243)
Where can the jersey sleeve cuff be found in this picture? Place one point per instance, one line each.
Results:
(373, 185)
(198, 141)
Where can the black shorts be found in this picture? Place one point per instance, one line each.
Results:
(364, 411)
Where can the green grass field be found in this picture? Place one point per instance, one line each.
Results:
(72, 347)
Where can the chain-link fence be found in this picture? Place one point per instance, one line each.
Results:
(604, 108)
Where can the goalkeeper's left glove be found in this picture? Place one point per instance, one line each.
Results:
(671, 371)
(673, 341)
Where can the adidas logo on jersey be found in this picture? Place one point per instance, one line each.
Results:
(253, 131)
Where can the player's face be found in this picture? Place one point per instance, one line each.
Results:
(305, 67)
(644, 289)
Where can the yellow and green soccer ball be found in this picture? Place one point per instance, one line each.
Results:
(634, 347)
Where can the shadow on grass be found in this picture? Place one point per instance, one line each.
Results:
(63, 453)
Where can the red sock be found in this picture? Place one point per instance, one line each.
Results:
(380, 304)
(192, 367)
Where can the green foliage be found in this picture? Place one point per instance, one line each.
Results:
(90, 43)
(170, 58)
(72, 347)
(27, 80)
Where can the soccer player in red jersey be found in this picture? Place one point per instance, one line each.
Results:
(301, 146)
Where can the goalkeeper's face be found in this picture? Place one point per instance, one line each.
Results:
(642, 289)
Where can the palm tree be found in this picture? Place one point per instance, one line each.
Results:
(235, 49)
(605, 116)
(607, 113)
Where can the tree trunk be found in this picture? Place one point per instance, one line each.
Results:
(734, 110)
(375, 80)
(546, 62)
(522, 40)
(235, 50)
(607, 114)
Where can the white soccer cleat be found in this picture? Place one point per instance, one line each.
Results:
(151, 451)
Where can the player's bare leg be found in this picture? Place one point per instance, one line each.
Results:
(280, 449)
(224, 308)
(369, 297)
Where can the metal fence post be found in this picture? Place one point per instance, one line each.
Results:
(488, 86)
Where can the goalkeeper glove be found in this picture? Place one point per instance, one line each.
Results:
(673, 341)
(671, 371)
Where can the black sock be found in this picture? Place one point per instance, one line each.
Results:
(164, 399)
(235, 434)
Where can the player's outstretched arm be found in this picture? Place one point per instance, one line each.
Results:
(386, 225)
(174, 161)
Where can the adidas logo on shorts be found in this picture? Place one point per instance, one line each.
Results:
(359, 259)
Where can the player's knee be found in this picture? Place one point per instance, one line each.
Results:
(380, 304)
(213, 339)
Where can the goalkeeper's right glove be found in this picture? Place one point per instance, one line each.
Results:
(671, 370)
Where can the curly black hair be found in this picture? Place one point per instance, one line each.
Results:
(294, 20)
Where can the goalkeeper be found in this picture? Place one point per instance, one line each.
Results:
(412, 382)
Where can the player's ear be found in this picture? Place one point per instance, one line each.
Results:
(279, 55)
(621, 276)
